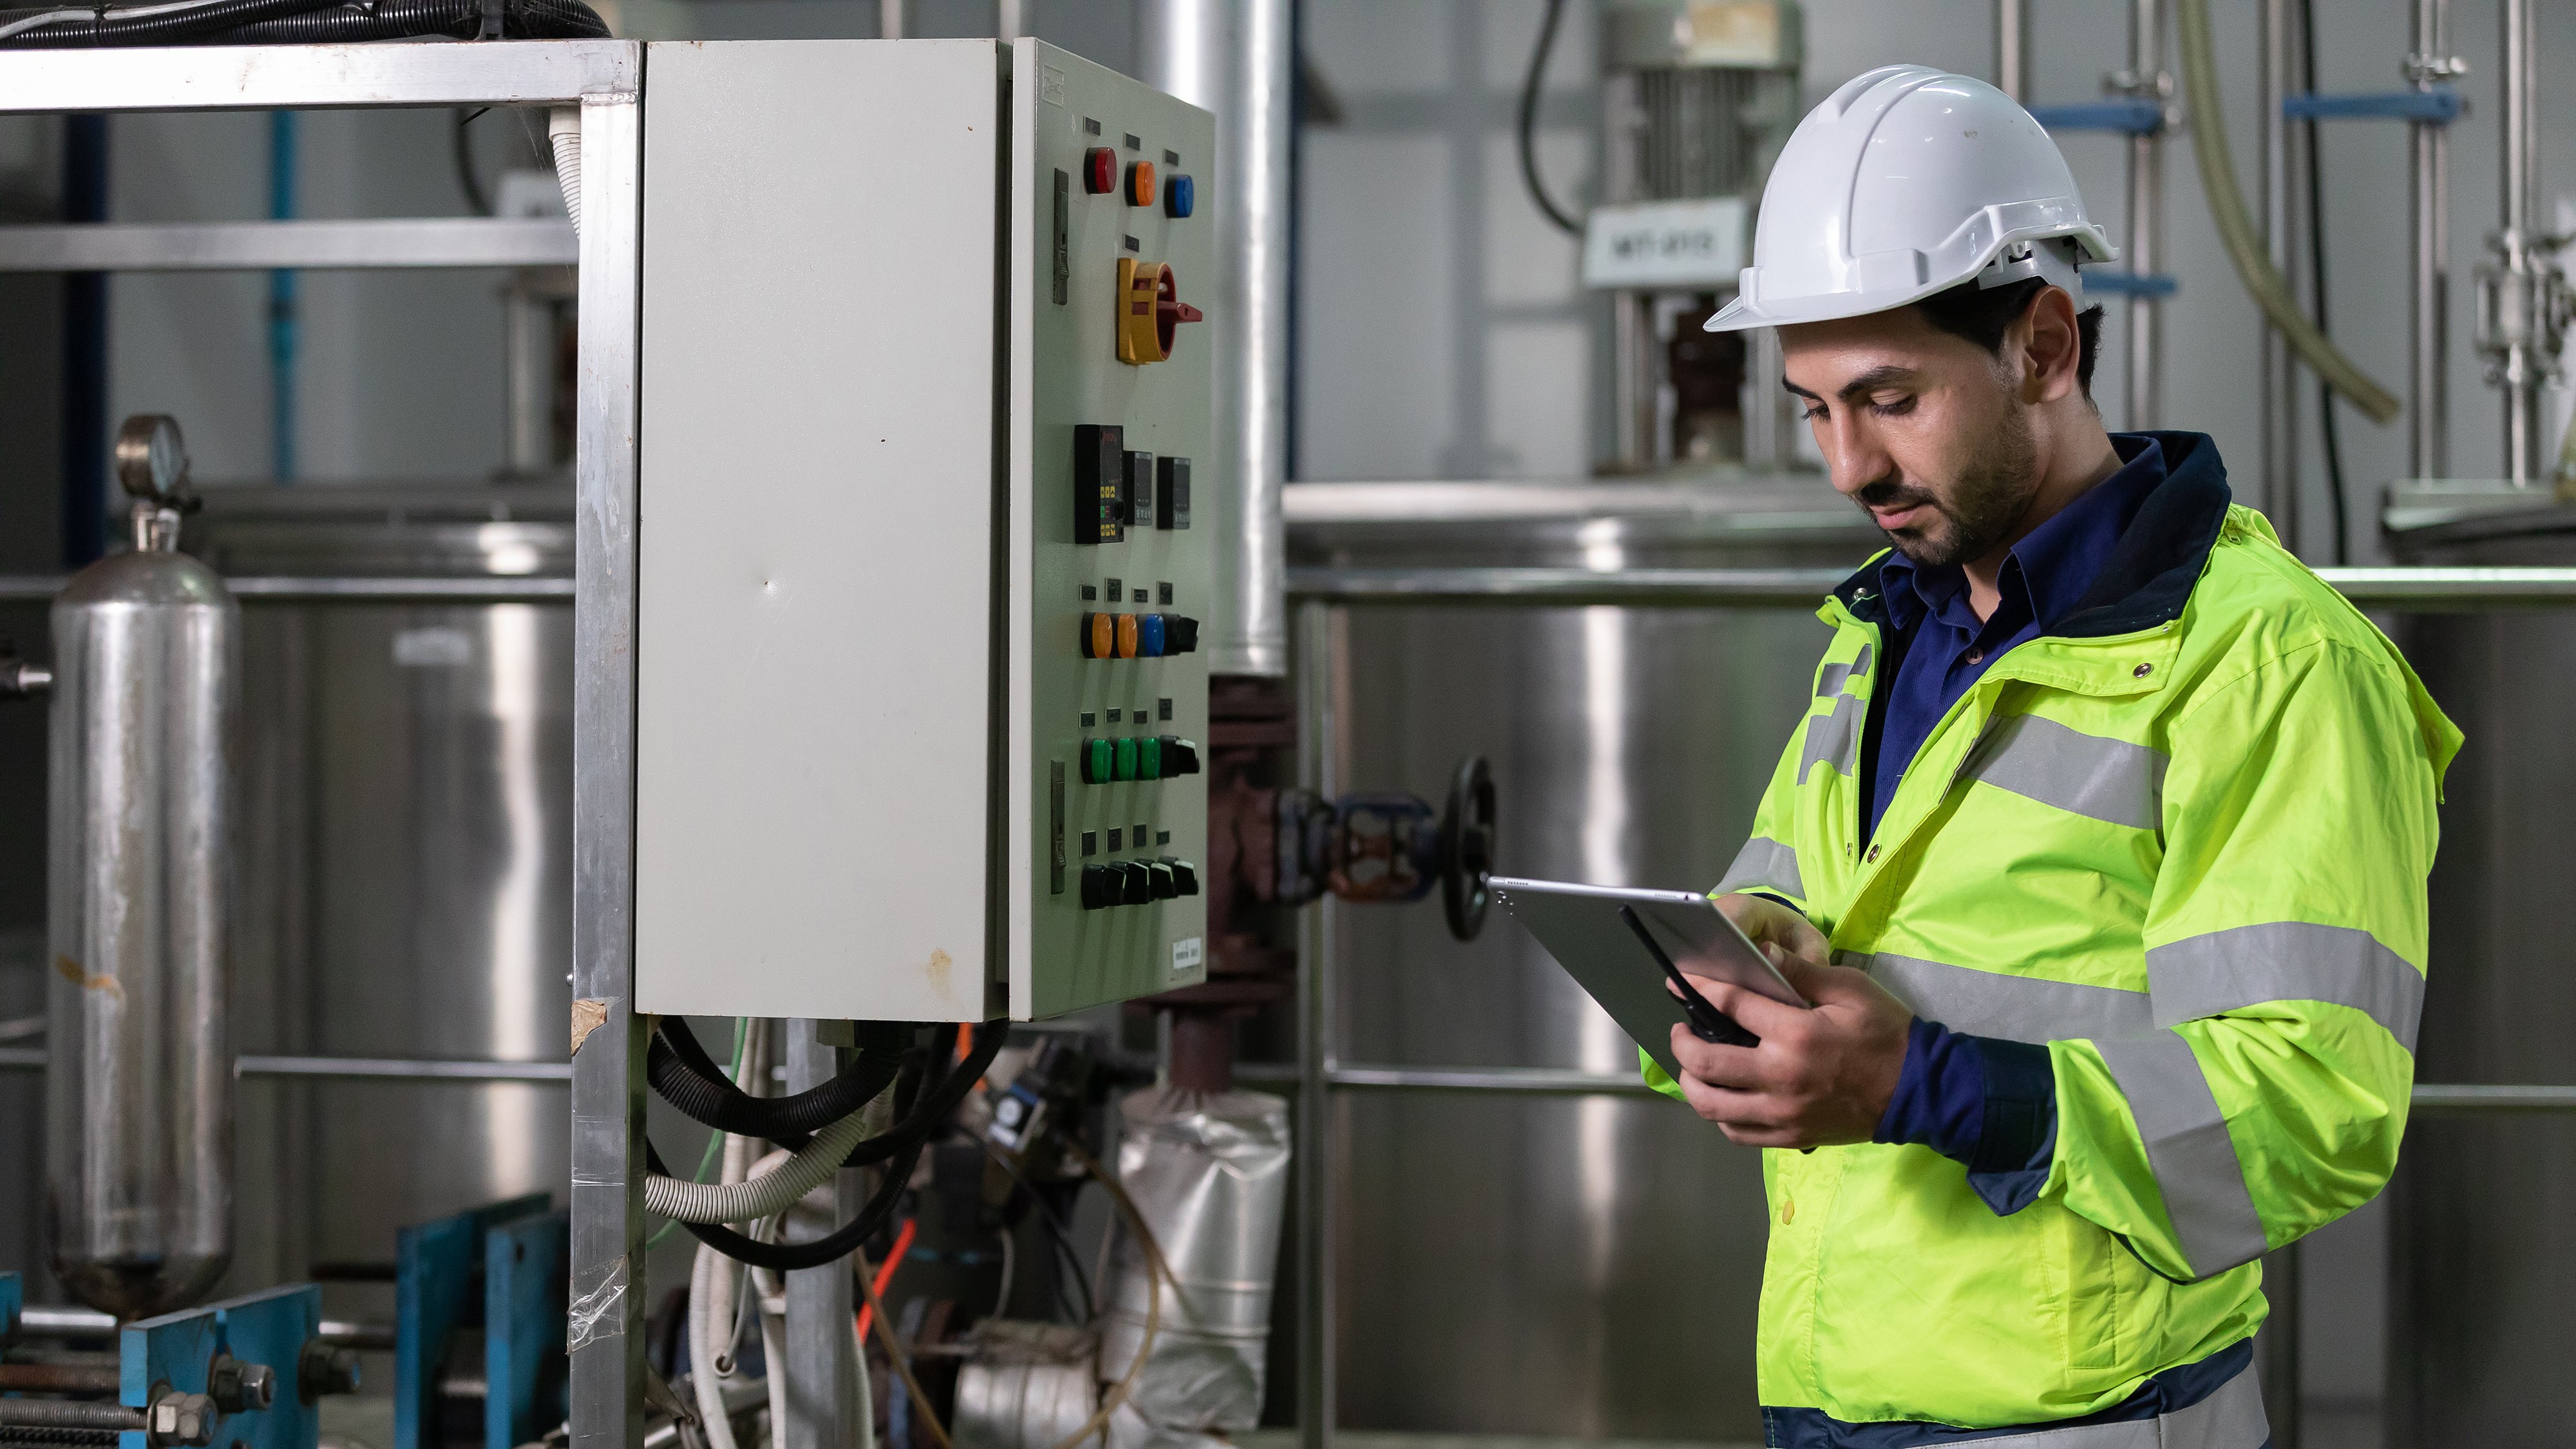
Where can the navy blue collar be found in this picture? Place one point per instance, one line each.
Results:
(2048, 572)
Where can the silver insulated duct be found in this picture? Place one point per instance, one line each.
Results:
(1235, 59)
(1209, 1173)
(138, 1080)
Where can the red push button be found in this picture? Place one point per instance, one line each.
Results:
(1100, 171)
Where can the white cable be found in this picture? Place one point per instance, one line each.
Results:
(703, 1377)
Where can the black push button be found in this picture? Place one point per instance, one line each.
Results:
(1101, 885)
(1136, 883)
(1172, 482)
(1099, 483)
(1180, 756)
(1185, 877)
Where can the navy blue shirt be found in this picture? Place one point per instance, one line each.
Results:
(1984, 1101)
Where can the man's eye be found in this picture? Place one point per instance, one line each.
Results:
(1811, 412)
(1893, 407)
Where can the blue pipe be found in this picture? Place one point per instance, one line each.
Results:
(2440, 105)
(281, 301)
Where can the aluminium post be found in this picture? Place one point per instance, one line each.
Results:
(2280, 211)
(604, 1330)
(2146, 250)
(2012, 49)
(2428, 198)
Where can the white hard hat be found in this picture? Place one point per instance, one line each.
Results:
(1905, 182)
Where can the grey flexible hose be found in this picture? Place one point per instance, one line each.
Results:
(2236, 228)
(764, 1194)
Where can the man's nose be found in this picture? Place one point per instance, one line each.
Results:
(1853, 458)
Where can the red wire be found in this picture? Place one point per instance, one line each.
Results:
(885, 1271)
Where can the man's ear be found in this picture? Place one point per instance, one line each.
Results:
(2050, 346)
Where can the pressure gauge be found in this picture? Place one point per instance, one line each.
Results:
(151, 460)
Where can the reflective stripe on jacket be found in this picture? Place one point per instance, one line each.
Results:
(2183, 841)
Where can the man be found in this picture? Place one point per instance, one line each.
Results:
(2113, 820)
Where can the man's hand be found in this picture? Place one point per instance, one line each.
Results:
(1820, 1077)
(1766, 922)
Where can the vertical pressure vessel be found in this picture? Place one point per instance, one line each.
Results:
(139, 1082)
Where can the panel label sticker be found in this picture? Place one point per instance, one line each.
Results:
(1185, 956)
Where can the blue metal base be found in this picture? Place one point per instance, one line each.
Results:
(174, 1352)
(498, 1271)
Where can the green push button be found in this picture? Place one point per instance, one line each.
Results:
(1096, 759)
(1149, 759)
(1125, 768)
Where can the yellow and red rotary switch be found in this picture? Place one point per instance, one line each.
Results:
(1140, 183)
(1100, 636)
(1150, 310)
(1100, 171)
(1126, 636)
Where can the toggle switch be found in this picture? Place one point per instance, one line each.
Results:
(1180, 634)
(1165, 884)
(1177, 756)
(1136, 883)
(1185, 877)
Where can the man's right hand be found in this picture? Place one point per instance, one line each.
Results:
(1775, 927)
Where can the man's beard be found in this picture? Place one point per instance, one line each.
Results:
(1991, 497)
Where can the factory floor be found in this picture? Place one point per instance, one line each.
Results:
(1364, 1439)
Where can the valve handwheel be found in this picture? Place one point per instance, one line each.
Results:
(1467, 848)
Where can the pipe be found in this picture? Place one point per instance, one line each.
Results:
(37, 588)
(1235, 58)
(2146, 241)
(2428, 199)
(60, 1378)
(2012, 49)
(2407, 590)
(2523, 368)
(2280, 365)
(2227, 209)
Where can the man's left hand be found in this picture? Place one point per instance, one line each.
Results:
(1821, 1075)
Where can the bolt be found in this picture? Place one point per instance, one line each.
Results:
(187, 1419)
(322, 1369)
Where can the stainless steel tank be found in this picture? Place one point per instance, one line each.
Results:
(406, 861)
(139, 1079)
(2482, 1304)
(1585, 1267)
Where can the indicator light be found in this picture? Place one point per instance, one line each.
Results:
(1100, 171)
(1140, 184)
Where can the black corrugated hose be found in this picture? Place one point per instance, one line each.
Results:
(292, 22)
(924, 1119)
(687, 1078)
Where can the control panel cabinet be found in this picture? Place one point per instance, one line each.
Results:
(920, 704)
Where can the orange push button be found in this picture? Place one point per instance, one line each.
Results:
(1126, 636)
(1140, 183)
(1099, 636)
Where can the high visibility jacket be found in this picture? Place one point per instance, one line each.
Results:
(2182, 839)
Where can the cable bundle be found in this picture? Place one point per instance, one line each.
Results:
(296, 22)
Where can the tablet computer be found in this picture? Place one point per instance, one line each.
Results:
(1617, 942)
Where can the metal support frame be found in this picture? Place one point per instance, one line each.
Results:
(605, 78)
(2147, 81)
(2012, 49)
(2428, 201)
(2520, 282)
(2280, 364)
(1322, 597)
(220, 246)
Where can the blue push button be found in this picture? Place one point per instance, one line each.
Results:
(1149, 636)
(1180, 195)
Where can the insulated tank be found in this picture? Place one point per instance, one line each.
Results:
(139, 1081)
